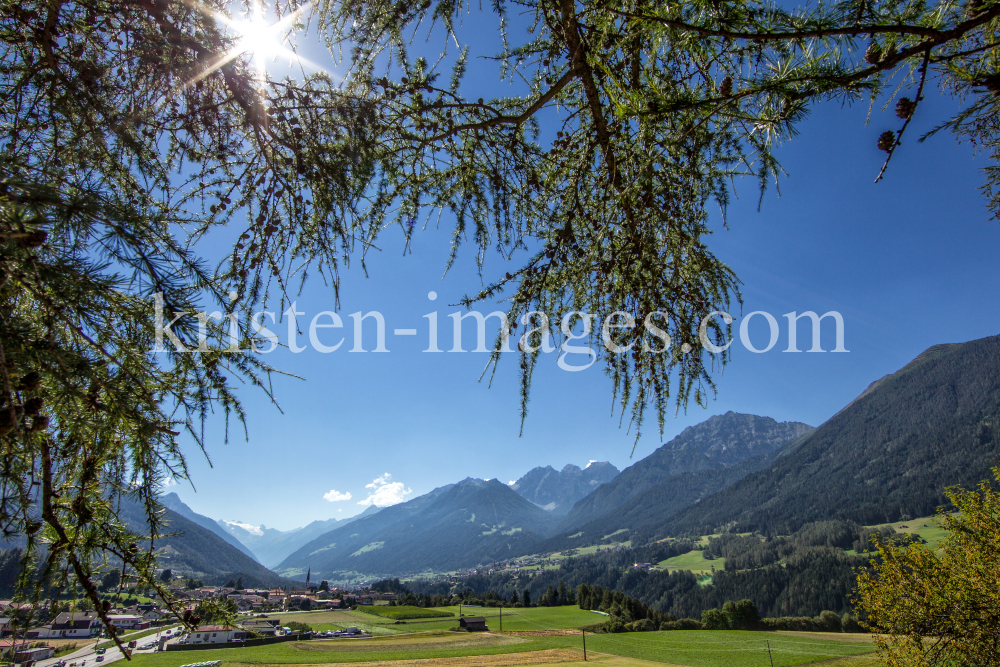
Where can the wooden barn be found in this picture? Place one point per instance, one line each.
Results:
(473, 624)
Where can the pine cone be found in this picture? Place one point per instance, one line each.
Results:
(726, 87)
(887, 140)
(874, 54)
(905, 107)
(33, 239)
(32, 406)
(29, 382)
(39, 423)
(991, 83)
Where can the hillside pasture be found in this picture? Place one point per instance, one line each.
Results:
(406, 612)
(693, 561)
(532, 618)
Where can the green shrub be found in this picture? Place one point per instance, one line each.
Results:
(296, 625)
(849, 623)
(714, 619)
(681, 624)
(742, 615)
(830, 620)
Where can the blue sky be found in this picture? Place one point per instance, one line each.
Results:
(909, 263)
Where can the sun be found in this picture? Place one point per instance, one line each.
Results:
(265, 41)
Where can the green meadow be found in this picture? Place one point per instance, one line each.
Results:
(692, 648)
(694, 561)
(432, 638)
(405, 612)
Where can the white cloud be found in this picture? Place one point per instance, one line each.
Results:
(589, 462)
(512, 482)
(333, 495)
(253, 530)
(385, 492)
(169, 481)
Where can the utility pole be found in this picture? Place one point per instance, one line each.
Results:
(769, 653)
(585, 645)
(501, 618)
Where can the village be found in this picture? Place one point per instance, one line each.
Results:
(81, 632)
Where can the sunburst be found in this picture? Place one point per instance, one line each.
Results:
(265, 41)
(262, 40)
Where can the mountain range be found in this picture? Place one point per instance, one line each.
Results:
(193, 550)
(271, 546)
(886, 456)
(452, 527)
(558, 491)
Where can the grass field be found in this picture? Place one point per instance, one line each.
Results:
(926, 527)
(532, 618)
(693, 561)
(405, 612)
(691, 648)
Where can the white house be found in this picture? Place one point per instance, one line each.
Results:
(33, 654)
(215, 634)
(128, 621)
(67, 625)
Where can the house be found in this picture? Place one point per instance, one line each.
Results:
(149, 612)
(244, 602)
(128, 621)
(265, 627)
(215, 634)
(67, 625)
(33, 654)
(473, 623)
(6, 630)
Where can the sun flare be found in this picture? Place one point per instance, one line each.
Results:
(263, 41)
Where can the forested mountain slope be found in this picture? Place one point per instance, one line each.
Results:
(456, 526)
(886, 457)
(718, 442)
(173, 502)
(195, 551)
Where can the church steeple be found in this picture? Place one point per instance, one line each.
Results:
(308, 572)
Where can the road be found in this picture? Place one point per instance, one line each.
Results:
(88, 654)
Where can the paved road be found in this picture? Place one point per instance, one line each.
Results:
(88, 654)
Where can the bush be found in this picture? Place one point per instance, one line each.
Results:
(615, 626)
(830, 620)
(642, 625)
(595, 628)
(714, 619)
(296, 625)
(681, 624)
(743, 615)
(849, 623)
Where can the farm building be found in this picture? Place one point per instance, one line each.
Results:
(473, 623)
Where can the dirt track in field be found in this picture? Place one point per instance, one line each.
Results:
(566, 632)
(508, 660)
